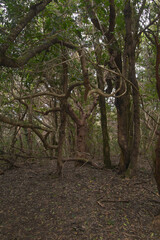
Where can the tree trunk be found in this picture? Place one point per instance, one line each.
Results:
(123, 118)
(157, 150)
(81, 140)
(123, 106)
(29, 130)
(61, 141)
(157, 164)
(130, 46)
(53, 138)
(136, 121)
(63, 115)
(14, 140)
(102, 105)
(106, 146)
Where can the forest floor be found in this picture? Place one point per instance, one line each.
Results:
(85, 204)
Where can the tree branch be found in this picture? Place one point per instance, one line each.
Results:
(34, 11)
(71, 87)
(90, 110)
(44, 44)
(46, 145)
(52, 94)
(93, 16)
(150, 24)
(72, 114)
(23, 124)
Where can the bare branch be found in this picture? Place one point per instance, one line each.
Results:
(23, 124)
(150, 24)
(46, 145)
(71, 87)
(52, 94)
(149, 37)
(90, 110)
(72, 114)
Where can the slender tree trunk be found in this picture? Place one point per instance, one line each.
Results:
(136, 119)
(102, 105)
(157, 164)
(157, 150)
(106, 146)
(29, 130)
(14, 140)
(130, 45)
(63, 118)
(21, 142)
(53, 137)
(123, 106)
(63, 115)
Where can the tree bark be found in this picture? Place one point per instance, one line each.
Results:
(130, 45)
(157, 150)
(63, 115)
(106, 146)
(61, 141)
(81, 124)
(157, 163)
(81, 139)
(102, 105)
(30, 137)
(123, 106)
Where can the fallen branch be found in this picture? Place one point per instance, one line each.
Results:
(102, 205)
(82, 160)
(115, 201)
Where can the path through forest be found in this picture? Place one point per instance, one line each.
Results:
(86, 204)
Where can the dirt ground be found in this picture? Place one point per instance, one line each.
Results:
(85, 204)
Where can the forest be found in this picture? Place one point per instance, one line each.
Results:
(80, 119)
